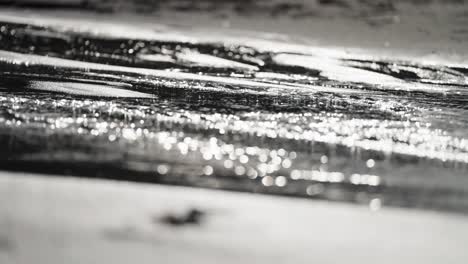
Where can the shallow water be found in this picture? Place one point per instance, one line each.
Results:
(229, 112)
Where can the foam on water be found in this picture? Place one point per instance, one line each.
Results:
(86, 89)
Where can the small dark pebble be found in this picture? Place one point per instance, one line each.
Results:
(191, 217)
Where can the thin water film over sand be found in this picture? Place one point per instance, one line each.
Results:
(225, 111)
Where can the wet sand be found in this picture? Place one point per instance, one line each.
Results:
(55, 220)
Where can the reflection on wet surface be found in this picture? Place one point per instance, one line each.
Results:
(259, 116)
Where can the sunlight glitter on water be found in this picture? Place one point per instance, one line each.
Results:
(168, 108)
